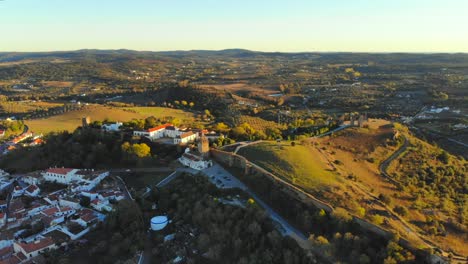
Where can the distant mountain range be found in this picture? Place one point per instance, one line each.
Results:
(335, 57)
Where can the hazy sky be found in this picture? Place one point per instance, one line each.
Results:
(266, 25)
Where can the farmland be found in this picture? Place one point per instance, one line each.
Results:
(69, 121)
(258, 123)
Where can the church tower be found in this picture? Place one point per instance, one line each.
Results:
(204, 146)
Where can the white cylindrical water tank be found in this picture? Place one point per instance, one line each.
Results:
(159, 222)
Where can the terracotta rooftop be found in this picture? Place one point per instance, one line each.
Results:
(32, 188)
(62, 171)
(88, 217)
(37, 245)
(50, 211)
(187, 134)
(158, 127)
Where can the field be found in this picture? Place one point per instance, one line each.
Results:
(299, 164)
(258, 123)
(161, 112)
(12, 107)
(239, 87)
(71, 120)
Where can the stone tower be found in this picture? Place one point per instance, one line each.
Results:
(85, 121)
(204, 146)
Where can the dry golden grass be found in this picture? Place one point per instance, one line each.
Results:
(71, 120)
(57, 84)
(237, 87)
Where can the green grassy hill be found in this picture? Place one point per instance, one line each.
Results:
(299, 164)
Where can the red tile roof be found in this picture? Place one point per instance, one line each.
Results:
(31, 188)
(50, 211)
(158, 127)
(187, 134)
(6, 251)
(62, 171)
(37, 245)
(88, 217)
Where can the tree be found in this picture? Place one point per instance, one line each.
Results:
(85, 201)
(151, 122)
(139, 150)
(385, 198)
(444, 157)
(377, 219)
(401, 210)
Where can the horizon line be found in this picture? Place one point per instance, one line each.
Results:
(240, 49)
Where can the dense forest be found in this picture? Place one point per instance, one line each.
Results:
(223, 233)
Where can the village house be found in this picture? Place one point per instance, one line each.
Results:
(32, 178)
(90, 194)
(197, 160)
(70, 202)
(101, 205)
(32, 191)
(112, 127)
(185, 138)
(86, 218)
(18, 191)
(32, 249)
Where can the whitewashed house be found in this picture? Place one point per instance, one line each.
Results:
(112, 127)
(70, 202)
(185, 138)
(34, 248)
(101, 205)
(33, 178)
(32, 191)
(194, 160)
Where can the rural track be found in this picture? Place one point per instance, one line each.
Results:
(384, 164)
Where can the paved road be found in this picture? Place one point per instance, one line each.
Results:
(333, 131)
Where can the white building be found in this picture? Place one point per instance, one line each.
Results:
(18, 191)
(172, 132)
(194, 160)
(33, 178)
(112, 127)
(185, 138)
(70, 202)
(82, 180)
(34, 248)
(32, 191)
(101, 205)
(153, 133)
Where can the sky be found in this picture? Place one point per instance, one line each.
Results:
(262, 25)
